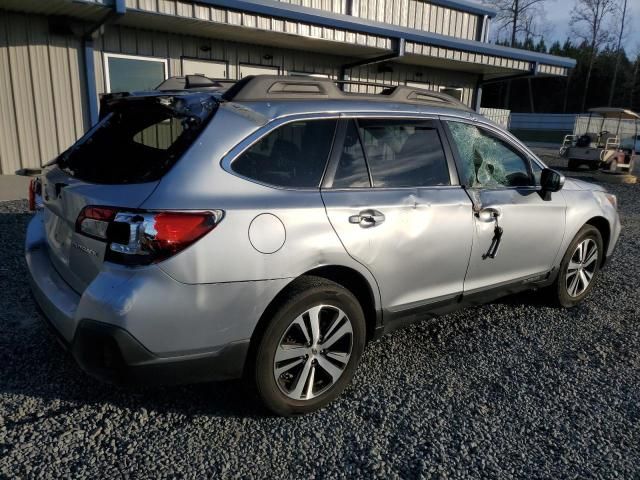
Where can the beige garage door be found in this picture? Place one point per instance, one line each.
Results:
(246, 70)
(208, 68)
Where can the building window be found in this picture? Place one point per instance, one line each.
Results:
(245, 70)
(208, 68)
(425, 85)
(453, 92)
(127, 73)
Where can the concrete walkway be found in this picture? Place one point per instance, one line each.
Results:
(13, 187)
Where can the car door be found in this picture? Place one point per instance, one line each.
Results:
(518, 230)
(392, 196)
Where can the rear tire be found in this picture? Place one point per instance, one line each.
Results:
(300, 364)
(579, 268)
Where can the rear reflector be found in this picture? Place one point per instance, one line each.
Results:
(141, 238)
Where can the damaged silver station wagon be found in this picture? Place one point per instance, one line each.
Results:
(270, 229)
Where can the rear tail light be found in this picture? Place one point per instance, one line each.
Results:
(141, 238)
(35, 194)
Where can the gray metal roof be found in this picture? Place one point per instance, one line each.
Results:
(336, 20)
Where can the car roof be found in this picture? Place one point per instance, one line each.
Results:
(283, 108)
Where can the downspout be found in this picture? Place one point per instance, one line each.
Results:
(119, 9)
(398, 52)
(477, 98)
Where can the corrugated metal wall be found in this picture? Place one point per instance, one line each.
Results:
(498, 115)
(433, 79)
(214, 15)
(419, 15)
(416, 14)
(42, 92)
(125, 40)
(42, 110)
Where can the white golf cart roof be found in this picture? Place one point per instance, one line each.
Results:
(608, 112)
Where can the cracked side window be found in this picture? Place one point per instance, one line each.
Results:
(488, 162)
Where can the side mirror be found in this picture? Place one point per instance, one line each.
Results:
(551, 181)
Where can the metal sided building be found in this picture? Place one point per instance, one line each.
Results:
(58, 56)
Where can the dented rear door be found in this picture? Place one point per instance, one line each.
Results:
(417, 240)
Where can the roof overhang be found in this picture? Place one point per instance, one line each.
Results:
(280, 24)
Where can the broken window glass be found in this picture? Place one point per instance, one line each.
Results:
(488, 162)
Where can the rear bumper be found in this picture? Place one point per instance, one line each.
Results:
(113, 355)
(144, 327)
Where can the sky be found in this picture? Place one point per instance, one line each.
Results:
(559, 11)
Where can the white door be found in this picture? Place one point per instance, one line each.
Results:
(208, 68)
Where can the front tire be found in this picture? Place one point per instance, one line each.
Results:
(579, 268)
(311, 347)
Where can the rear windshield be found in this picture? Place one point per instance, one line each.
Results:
(138, 140)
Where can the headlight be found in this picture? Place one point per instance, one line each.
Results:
(609, 197)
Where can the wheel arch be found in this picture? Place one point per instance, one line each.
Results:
(603, 226)
(349, 278)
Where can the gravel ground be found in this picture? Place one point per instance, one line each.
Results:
(512, 389)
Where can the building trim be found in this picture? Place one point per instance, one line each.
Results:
(359, 25)
(466, 6)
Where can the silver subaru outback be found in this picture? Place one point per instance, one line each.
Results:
(271, 229)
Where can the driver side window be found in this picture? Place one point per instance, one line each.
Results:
(487, 161)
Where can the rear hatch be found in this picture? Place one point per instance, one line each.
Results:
(118, 163)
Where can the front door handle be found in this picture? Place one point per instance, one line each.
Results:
(367, 218)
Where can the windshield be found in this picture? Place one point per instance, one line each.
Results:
(138, 139)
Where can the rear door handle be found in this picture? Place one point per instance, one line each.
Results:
(488, 214)
(367, 218)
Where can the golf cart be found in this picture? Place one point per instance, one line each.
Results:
(603, 138)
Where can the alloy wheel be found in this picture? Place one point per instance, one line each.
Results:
(313, 352)
(582, 267)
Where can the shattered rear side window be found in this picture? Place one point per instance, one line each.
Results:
(488, 162)
(137, 141)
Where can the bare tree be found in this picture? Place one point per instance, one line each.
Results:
(587, 21)
(515, 17)
(621, 20)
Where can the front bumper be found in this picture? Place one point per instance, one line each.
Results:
(616, 228)
(142, 326)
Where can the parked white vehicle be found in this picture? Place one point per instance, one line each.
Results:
(596, 139)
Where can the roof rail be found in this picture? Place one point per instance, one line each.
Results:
(192, 82)
(279, 87)
(405, 94)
